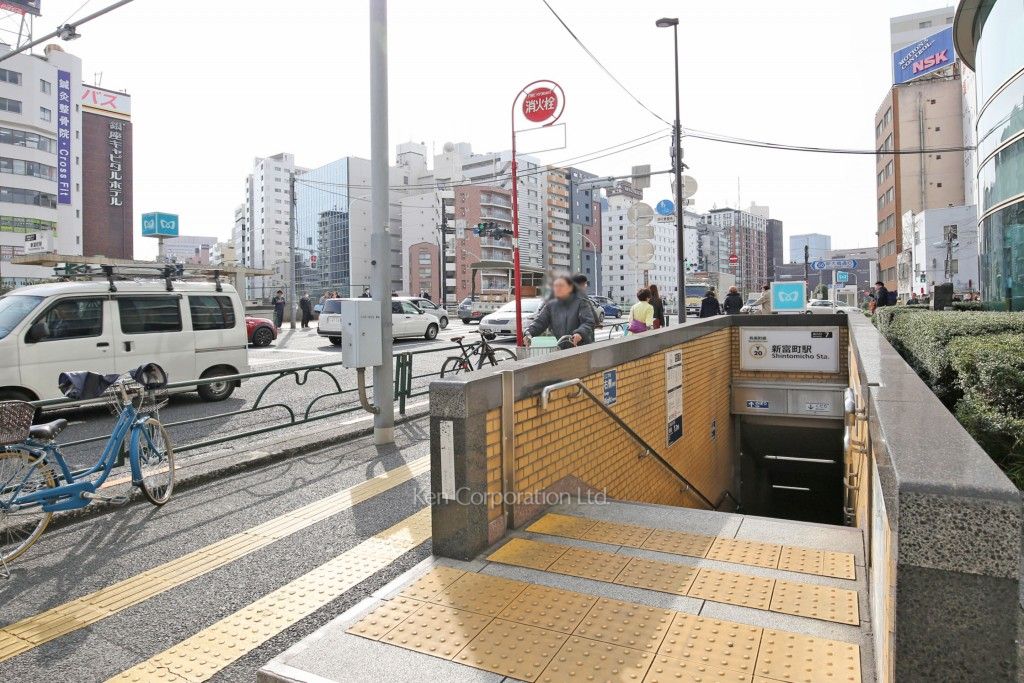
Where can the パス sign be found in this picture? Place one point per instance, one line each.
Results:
(540, 104)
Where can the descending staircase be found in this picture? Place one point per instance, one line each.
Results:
(615, 592)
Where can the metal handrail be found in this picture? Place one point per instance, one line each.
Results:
(649, 450)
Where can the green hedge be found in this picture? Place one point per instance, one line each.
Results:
(888, 320)
(968, 306)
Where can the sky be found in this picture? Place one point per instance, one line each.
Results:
(216, 84)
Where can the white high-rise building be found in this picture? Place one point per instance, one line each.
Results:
(910, 28)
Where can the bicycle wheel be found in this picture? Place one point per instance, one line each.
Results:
(454, 365)
(20, 474)
(499, 355)
(153, 461)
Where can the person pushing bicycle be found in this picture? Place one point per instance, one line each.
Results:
(569, 314)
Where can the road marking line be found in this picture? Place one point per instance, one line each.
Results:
(200, 657)
(33, 631)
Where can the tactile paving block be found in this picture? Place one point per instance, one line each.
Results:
(712, 642)
(512, 649)
(803, 560)
(734, 589)
(627, 624)
(740, 551)
(816, 602)
(654, 575)
(839, 565)
(589, 564)
(581, 659)
(525, 553)
(480, 593)
(678, 543)
(384, 617)
(549, 608)
(568, 526)
(795, 658)
(613, 533)
(665, 669)
(436, 630)
(431, 583)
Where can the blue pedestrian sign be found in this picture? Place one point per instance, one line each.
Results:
(611, 387)
(159, 224)
(665, 207)
(842, 276)
(788, 297)
(845, 263)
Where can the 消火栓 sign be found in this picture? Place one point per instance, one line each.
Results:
(790, 349)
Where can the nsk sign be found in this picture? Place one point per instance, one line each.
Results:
(923, 57)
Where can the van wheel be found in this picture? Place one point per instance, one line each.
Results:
(431, 331)
(217, 391)
(335, 340)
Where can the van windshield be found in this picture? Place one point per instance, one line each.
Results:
(13, 309)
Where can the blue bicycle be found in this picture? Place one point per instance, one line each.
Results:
(35, 480)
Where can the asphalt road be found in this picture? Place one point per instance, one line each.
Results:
(293, 348)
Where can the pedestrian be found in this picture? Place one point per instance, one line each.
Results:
(426, 295)
(763, 304)
(659, 307)
(306, 306)
(324, 297)
(733, 301)
(881, 295)
(279, 302)
(365, 294)
(709, 306)
(641, 315)
(581, 282)
(567, 314)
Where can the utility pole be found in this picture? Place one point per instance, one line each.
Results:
(380, 245)
(677, 163)
(291, 248)
(444, 266)
(807, 258)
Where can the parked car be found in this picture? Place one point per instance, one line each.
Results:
(611, 310)
(473, 308)
(824, 307)
(195, 331)
(428, 307)
(329, 323)
(409, 321)
(261, 331)
(503, 321)
(747, 306)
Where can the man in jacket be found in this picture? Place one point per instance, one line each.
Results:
(581, 282)
(278, 302)
(733, 301)
(881, 294)
(709, 305)
(307, 309)
(567, 314)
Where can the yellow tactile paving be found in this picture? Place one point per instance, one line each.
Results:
(512, 649)
(437, 630)
(212, 649)
(525, 553)
(738, 551)
(549, 608)
(589, 564)
(480, 593)
(613, 533)
(816, 602)
(731, 588)
(385, 617)
(581, 659)
(627, 624)
(665, 669)
(795, 658)
(712, 642)
(99, 605)
(657, 576)
(431, 583)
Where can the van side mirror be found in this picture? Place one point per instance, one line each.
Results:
(36, 333)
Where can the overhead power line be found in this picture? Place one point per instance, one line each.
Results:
(730, 140)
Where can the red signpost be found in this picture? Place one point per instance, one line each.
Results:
(543, 103)
(733, 259)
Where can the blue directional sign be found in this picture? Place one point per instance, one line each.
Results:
(665, 207)
(788, 296)
(844, 263)
(842, 276)
(611, 387)
(159, 224)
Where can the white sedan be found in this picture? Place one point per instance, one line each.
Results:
(409, 321)
(824, 307)
(503, 321)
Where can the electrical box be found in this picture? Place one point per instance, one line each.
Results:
(361, 333)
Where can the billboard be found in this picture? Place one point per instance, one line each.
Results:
(923, 57)
(63, 137)
(159, 224)
(104, 100)
(21, 6)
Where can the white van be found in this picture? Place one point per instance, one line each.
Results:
(193, 332)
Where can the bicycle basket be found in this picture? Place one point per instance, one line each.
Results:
(144, 401)
(15, 421)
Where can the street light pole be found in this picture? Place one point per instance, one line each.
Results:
(291, 248)
(677, 136)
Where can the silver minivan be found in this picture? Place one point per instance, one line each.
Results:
(194, 331)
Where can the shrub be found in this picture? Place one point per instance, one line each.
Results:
(968, 306)
(991, 369)
(1001, 435)
(888, 318)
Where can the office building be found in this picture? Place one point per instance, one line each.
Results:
(746, 239)
(939, 245)
(41, 191)
(223, 254)
(911, 28)
(773, 237)
(818, 246)
(107, 173)
(988, 40)
(191, 249)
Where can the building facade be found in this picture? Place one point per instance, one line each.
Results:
(910, 28)
(196, 250)
(939, 245)
(818, 246)
(746, 237)
(107, 173)
(774, 243)
(988, 34)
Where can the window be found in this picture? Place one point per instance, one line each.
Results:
(20, 138)
(143, 315)
(10, 105)
(30, 168)
(45, 87)
(8, 76)
(73, 318)
(22, 225)
(17, 195)
(45, 114)
(211, 312)
(925, 24)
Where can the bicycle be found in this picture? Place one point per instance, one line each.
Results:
(453, 365)
(35, 480)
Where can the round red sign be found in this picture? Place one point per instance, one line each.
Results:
(540, 104)
(734, 259)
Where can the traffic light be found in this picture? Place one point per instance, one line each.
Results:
(491, 229)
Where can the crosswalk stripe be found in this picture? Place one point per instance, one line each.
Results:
(24, 635)
(208, 652)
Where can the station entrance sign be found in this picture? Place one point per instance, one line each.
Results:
(790, 349)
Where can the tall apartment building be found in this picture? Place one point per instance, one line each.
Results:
(41, 186)
(818, 246)
(746, 235)
(774, 244)
(910, 28)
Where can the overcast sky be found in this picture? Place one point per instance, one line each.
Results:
(216, 83)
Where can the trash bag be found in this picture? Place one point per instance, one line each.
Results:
(82, 384)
